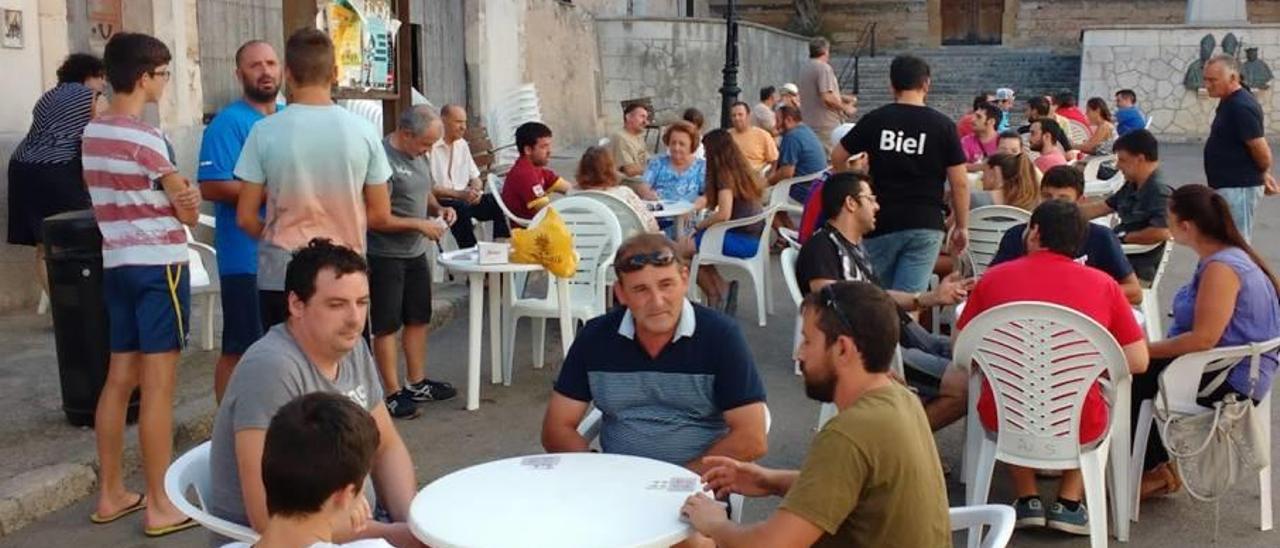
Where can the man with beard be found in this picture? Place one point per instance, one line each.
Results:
(258, 69)
(872, 476)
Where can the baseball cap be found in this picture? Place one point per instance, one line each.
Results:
(790, 89)
(1004, 94)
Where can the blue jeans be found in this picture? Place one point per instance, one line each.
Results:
(904, 260)
(1242, 201)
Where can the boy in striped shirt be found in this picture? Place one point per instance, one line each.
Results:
(141, 203)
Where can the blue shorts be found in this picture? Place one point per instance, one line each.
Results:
(241, 320)
(736, 244)
(148, 307)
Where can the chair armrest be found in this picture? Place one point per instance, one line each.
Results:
(713, 237)
(1138, 249)
(208, 220)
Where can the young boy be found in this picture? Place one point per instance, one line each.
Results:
(309, 504)
(140, 202)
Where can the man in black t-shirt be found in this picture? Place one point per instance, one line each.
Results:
(1237, 160)
(913, 150)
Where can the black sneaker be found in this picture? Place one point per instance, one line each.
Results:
(429, 390)
(401, 405)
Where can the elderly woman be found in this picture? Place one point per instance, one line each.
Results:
(45, 177)
(1231, 300)
(676, 175)
(596, 172)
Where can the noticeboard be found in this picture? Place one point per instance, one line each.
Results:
(364, 35)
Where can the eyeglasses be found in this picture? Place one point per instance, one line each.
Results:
(159, 73)
(829, 300)
(662, 257)
(868, 196)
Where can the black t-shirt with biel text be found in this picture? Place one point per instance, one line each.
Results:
(910, 148)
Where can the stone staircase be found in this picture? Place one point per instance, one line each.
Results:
(960, 72)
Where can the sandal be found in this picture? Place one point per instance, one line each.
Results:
(139, 505)
(154, 532)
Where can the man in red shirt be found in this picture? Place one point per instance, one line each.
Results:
(1053, 235)
(527, 185)
(1065, 106)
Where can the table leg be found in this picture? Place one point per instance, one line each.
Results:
(475, 324)
(496, 354)
(508, 339)
(566, 321)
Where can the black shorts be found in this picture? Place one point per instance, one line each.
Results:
(241, 313)
(399, 293)
(37, 191)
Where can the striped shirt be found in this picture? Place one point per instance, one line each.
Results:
(57, 122)
(124, 160)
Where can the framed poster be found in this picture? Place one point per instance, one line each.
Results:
(13, 30)
(363, 34)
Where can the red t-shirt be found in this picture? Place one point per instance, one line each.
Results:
(525, 184)
(1049, 277)
(1074, 114)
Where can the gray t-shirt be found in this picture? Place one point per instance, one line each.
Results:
(410, 184)
(816, 78)
(272, 373)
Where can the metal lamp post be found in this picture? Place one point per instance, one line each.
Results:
(730, 90)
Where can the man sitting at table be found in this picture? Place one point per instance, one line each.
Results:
(337, 439)
(1054, 237)
(872, 476)
(529, 184)
(1142, 203)
(320, 348)
(1101, 248)
(675, 381)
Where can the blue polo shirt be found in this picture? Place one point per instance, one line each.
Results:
(1130, 119)
(801, 148)
(670, 408)
(223, 139)
(1101, 250)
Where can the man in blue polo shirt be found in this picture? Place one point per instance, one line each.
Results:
(800, 154)
(674, 380)
(258, 69)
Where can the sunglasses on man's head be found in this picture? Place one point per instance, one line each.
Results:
(662, 257)
(829, 301)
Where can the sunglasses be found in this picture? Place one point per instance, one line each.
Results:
(829, 300)
(663, 257)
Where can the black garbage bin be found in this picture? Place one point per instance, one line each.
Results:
(73, 255)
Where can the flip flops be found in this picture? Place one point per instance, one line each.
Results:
(139, 505)
(154, 532)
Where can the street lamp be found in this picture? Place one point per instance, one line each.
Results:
(730, 90)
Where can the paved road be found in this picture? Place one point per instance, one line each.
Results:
(446, 438)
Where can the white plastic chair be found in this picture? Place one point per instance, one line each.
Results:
(1041, 360)
(791, 236)
(1096, 187)
(1181, 380)
(495, 188)
(1151, 295)
(780, 193)
(1150, 118)
(1077, 132)
(589, 428)
(596, 236)
(998, 517)
(711, 253)
(987, 226)
(787, 261)
(191, 472)
(206, 287)
(628, 221)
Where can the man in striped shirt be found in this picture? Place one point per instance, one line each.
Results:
(141, 203)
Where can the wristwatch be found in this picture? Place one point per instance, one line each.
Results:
(916, 304)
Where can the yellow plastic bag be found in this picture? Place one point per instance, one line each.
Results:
(549, 244)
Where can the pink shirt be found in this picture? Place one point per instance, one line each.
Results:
(975, 150)
(1050, 160)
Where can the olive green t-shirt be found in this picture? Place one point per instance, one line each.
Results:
(628, 149)
(872, 477)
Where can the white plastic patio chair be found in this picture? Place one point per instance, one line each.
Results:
(628, 221)
(711, 253)
(590, 426)
(1181, 383)
(495, 188)
(1077, 132)
(1150, 118)
(787, 262)
(191, 472)
(987, 226)
(999, 518)
(1098, 187)
(596, 237)
(1041, 360)
(780, 193)
(206, 286)
(791, 236)
(1151, 295)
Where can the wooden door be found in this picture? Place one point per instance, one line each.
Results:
(966, 22)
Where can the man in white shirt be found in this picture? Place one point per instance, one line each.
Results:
(457, 181)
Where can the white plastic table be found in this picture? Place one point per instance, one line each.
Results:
(562, 500)
(465, 261)
(671, 208)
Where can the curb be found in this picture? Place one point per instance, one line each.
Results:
(32, 495)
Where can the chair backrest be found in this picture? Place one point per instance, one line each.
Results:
(999, 518)
(1041, 360)
(1149, 120)
(780, 193)
(987, 226)
(596, 236)
(1077, 132)
(788, 259)
(1164, 262)
(191, 472)
(628, 220)
(495, 188)
(791, 236)
(200, 257)
(1180, 382)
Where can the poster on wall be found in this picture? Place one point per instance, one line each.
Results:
(363, 34)
(105, 20)
(13, 29)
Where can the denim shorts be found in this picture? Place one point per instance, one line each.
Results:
(736, 244)
(148, 307)
(1243, 201)
(904, 260)
(241, 320)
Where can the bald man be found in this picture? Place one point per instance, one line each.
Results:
(457, 181)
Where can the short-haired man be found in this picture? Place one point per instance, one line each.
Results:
(1009, 142)
(1128, 116)
(337, 440)
(1050, 141)
(820, 99)
(399, 273)
(320, 169)
(258, 70)
(1039, 107)
(834, 253)
(801, 152)
(529, 183)
(456, 181)
(983, 140)
(762, 115)
(872, 476)
(1101, 248)
(1237, 158)
(319, 348)
(1054, 236)
(1004, 101)
(1142, 203)
(757, 145)
(675, 380)
(141, 203)
(627, 144)
(965, 125)
(914, 151)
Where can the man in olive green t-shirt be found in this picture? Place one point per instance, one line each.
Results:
(872, 477)
(627, 145)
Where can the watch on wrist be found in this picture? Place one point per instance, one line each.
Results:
(916, 303)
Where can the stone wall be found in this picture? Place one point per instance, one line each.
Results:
(1152, 60)
(678, 63)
